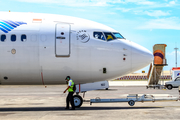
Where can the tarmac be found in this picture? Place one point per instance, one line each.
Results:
(39, 103)
(131, 83)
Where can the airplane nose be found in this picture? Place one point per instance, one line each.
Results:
(141, 57)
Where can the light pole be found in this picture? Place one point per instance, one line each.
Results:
(176, 55)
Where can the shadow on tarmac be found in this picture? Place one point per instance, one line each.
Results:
(63, 109)
(107, 90)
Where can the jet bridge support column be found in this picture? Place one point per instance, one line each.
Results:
(156, 67)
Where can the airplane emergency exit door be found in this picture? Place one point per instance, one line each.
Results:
(62, 42)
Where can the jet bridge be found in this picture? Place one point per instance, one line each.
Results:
(157, 65)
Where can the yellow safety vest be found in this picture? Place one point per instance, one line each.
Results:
(71, 87)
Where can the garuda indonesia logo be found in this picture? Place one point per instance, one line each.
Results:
(8, 25)
(83, 36)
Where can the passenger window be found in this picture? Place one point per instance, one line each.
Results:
(13, 38)
(109, 36)
(23, 38)
(99, 35)
(3, 38)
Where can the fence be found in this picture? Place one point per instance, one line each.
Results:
(165, 77)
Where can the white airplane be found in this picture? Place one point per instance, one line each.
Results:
(45, 48)
(33, 46)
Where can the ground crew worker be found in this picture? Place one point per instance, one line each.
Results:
(70, 94)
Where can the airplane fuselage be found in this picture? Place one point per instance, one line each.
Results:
(44, 49)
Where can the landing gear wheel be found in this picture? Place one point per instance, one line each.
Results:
(169, 87)
(131, 102)
(78, 101)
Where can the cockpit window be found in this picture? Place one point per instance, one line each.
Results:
(109, 36)
(118, 35)
(99, 35)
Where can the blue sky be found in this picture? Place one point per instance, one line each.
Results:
(146, 22)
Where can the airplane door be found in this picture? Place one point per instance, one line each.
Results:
(62, 42)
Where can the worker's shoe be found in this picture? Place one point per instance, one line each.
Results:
(66, 108)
